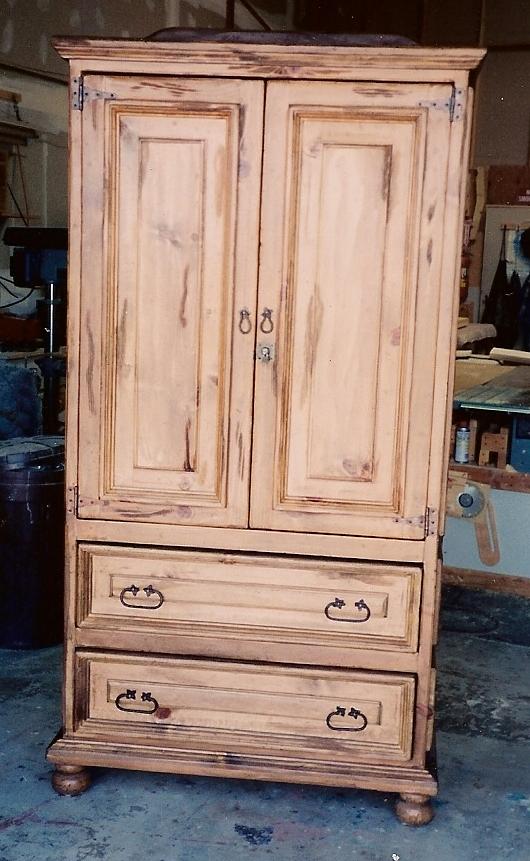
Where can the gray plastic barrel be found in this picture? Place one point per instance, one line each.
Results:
(31, 541)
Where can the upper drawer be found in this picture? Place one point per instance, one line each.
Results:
(279, 599)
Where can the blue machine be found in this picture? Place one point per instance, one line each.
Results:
(39, 259)
(520, 448)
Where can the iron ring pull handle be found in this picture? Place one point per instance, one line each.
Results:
(266, 326)
(354, 713)
(129, 696)
(149, 590)
(245, 323)
(339, 603)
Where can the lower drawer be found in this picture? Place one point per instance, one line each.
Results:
(228, 706)
(276, 599)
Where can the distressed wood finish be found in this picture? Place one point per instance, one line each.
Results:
(273, 61)
(131, 755)
(171, 191)
(414, 809)
(358, 226)
(71, 779)
(296, 601)
(247, 708)
(259, 540)
(255, 496)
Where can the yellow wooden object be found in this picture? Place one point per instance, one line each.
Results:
(264, 267)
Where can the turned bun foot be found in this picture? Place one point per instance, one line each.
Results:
(70, 779)
(414, 809)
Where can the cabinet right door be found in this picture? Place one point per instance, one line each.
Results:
(354, 199)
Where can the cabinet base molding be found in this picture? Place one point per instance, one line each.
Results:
(414, 809)
(411, 782)
(71, 779)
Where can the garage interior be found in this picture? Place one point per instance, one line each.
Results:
(482, 696)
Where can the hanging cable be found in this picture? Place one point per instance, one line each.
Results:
(230, 15)
(4, 281)
(255, 14)
(6, 288)
(23, 181)
(15, 201)
(23, 299)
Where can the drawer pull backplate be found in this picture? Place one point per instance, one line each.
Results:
(134, 590)
(129, 696)
(354, 713)
(339, 603)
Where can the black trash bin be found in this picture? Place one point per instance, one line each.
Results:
(31, 541)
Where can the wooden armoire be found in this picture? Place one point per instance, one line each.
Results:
(264, 256)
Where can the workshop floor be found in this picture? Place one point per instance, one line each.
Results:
(482, 812)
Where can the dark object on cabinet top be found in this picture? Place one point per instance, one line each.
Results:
(260, 37)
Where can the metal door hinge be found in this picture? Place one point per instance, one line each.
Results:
(431, 521)
(427, 521)
(81, 94)
(453, 105)
(72, 496)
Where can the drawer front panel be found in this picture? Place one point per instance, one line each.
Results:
(275, 599)
(230, 706)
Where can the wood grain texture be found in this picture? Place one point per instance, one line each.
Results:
(504, 392)
(414, 809)
(497, 479)
(71, 779)
(355, 203)
(170, 246)
(447, 312)
(444, 308)
(494, 581)
(123, 754)
(247, 708)
(272, 61)
(258, 540)
(361, 195)
(209, 643)
(280, 600)
(424, 707)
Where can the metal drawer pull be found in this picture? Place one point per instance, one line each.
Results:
(131, 695)
(339, 603)
(149, 590)
(245, 323)
(354, 713)
(266, 326)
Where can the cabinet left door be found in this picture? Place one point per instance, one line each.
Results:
(170, 184)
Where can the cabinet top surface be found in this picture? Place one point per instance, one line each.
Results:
(278, 55)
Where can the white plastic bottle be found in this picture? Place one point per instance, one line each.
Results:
(462, 443)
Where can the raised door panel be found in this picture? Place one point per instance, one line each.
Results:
(171, 174)
(352, 222)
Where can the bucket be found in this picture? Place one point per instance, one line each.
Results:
(31, 541)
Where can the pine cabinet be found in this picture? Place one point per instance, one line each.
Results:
(264, 244)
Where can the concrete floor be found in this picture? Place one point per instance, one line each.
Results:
(482, 812)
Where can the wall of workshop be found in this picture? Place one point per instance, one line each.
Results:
(42, 168)
(512, 516)
(503, 94)
(503, 115)
(502, 129)
(28, 26)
